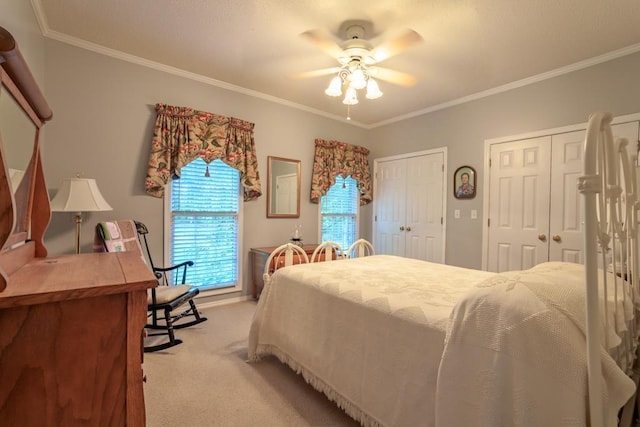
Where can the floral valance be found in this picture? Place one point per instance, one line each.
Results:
(183, 134)
(333, 158)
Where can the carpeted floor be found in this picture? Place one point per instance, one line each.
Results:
(206, 381)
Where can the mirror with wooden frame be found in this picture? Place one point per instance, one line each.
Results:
(283, 187)
(17, 133)
(24, 201)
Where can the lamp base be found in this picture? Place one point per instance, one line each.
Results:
(78, 218)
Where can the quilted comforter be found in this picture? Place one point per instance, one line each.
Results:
(368, 332)
(515, 352)
(400, 342)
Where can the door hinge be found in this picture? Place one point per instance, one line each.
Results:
(488, 222)
(375, 218)
(443, 167)
(441, 220)
(489, 162)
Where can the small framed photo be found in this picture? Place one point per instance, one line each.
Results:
(464, 183)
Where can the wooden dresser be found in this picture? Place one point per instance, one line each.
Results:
(259, 258)
(70, 326)
(71, 341)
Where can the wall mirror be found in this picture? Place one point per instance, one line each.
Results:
(283, 188)
(24, 200)
(18, 133)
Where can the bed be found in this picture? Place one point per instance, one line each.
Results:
(401, 342)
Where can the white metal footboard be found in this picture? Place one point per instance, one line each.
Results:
(610, 242)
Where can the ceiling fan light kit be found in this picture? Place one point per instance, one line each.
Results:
(335, 87)
(373, 91)
(350, 97)
(355, 55)
(355, 76)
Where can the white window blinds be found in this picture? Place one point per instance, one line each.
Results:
(204, 223)
(339, 212)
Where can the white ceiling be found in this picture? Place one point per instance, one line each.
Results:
(470, 47)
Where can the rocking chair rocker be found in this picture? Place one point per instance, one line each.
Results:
(171, 294)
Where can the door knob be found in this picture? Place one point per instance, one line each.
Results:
(401, 228)
(542, 237)
(408, 228)
(556, 238)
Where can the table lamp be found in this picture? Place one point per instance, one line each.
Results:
(79, 195)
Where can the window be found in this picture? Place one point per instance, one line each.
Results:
(339, 212)
(204, 223)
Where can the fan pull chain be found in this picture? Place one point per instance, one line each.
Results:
(206, 172)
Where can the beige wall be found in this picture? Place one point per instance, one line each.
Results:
(104, 113)
(566, 100)
(103, 125)
(18, 18)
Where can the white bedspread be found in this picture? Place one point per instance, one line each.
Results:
(515, 354)
(400, 342)
(374, 349)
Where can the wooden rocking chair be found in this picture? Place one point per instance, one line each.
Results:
(171, 294)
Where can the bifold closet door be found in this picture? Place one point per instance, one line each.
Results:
(519, 204)
(566, 216)
(535, 209)
(409, 207)
(424, 205)
(390, 207)
(566, 213)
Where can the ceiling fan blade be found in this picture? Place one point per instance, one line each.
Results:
(396, 45)
(324, 41)
(393, 76)
(317, 73)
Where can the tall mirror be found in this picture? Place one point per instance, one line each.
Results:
(18, 133)
(283, 187)
(24, 201)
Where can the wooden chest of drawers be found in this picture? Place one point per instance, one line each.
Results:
(259, 258)
(71, 341)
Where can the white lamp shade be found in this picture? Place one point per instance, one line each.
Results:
(373, 90)
(79, 195)
(335, 87)
(357, 79)
(350, 98)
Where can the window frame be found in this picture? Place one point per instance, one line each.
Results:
(167, 242)
(357, 216)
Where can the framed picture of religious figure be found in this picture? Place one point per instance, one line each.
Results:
(464, 183)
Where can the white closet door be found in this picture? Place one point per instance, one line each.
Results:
(566, 213)
(423, 227)
(507, 209)
(630, 132)
(519, 204)
(409, 204)
(390, 207)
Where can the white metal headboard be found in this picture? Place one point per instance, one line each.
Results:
(610, 243)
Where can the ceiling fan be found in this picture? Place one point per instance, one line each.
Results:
(358, 59)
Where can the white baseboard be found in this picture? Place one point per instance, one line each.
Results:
(203, 306)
